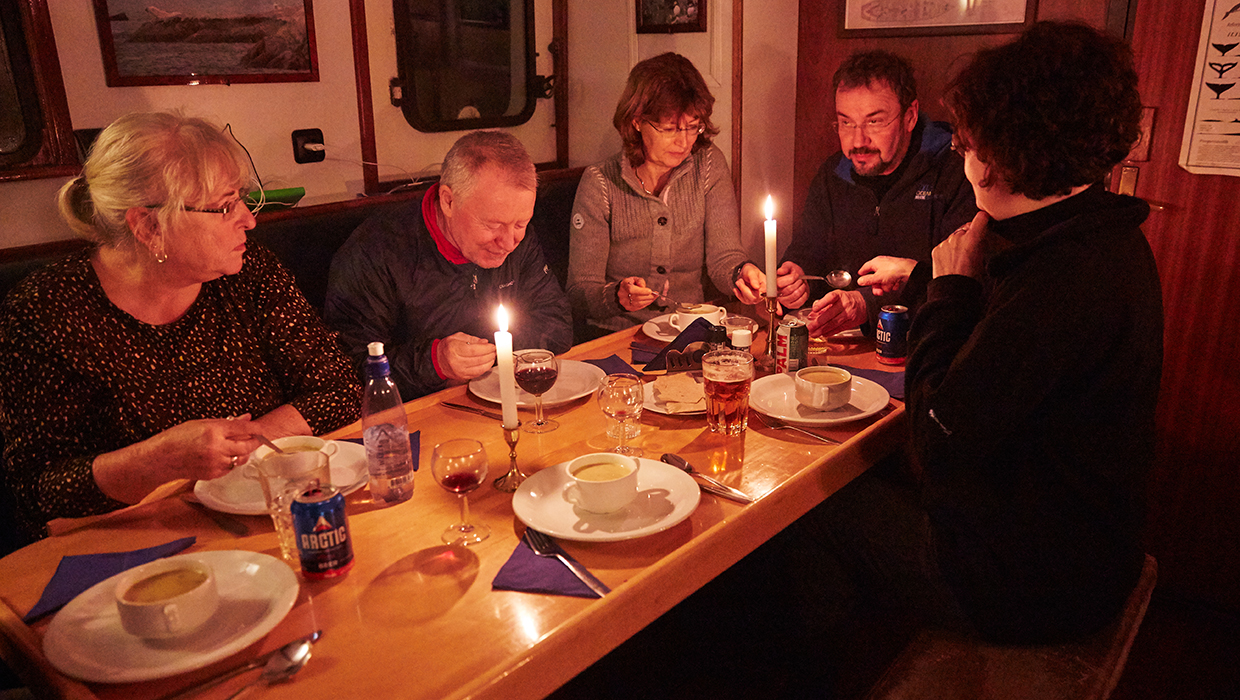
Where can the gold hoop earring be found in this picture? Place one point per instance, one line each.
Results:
(161, 256)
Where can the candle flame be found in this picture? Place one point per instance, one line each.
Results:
(501, 319)
(769, 208)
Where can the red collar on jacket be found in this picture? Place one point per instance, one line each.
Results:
(430, 214)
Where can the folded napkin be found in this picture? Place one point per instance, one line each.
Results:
(643, 353)
(614, 365)
(78, 572)
(527, 572)
(695, 332)
(415, 445)
(893, 382)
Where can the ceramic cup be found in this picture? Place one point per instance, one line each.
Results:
(823, 388)
(166, 598)
(686, 314)
(603, 482)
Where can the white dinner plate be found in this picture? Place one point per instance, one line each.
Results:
(653, 404)
(239, 492)
(666, 496)
(776, 396)
(577, 379)
(660, 328)
(86, 641)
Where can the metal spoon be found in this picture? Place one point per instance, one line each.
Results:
(273, 446)
(287, 651)
(711, 484)
(280, 666)
(836, 278)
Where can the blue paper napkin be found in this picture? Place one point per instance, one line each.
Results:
(415, 445)
(893, 382)
(614, 365)
(527, 572)
(643, 353)
(695, 332)
(78, 572)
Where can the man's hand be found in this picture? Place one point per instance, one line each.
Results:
(961, 253)
(750, 284)
(634, 295)
(887, 275)
(793, 291)
(835, 312)
(462, 357)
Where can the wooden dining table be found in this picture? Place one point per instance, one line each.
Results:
(416, 618)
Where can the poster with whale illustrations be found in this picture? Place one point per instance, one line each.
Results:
(1211, 144)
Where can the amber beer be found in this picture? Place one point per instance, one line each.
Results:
(728, 375)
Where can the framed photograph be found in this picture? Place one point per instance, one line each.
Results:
(929, 17)
(193, 42)
(668, 16)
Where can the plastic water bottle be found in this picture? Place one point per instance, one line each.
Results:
(386, 433)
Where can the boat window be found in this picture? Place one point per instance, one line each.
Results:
(21, 122)
(464, 64)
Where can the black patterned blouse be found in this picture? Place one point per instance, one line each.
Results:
(80, 377)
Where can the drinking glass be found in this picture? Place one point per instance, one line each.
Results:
(536, 373)
(728, 375)
(460, 466)
(621, 397)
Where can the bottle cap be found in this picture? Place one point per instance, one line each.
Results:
(376, 349)
(742, 338)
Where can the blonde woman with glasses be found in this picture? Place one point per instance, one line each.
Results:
(164, 350)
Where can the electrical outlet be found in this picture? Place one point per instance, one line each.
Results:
(301, 138)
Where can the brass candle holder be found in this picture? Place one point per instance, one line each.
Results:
(509, 482)
(767, 362)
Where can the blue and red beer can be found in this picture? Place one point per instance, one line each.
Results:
(322, 532)
(892, 334)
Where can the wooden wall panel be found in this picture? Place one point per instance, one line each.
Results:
(1194, 513)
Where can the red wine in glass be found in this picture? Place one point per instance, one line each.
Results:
(460, 466)
(536, 372)
(461, 482)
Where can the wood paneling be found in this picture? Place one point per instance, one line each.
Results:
(1194, 523)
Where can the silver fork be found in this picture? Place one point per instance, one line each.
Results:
(775, 424)
(542, 545)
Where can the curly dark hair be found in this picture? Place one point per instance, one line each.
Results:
(1055, 109)
(866, 67)
(667, 85)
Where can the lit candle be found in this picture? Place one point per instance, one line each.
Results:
(770, 248)
(507, 380)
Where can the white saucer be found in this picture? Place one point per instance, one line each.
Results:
(776, 397)
(235, 492)
(660, 328)
(666, 496)
(652, 404)
(577, 379)
(86, 641)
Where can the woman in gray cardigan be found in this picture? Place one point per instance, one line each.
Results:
(654, 222)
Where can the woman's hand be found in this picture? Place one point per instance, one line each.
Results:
(961, 252)
(634, 295)
(750, 284)
(886, 274)
(198, 449)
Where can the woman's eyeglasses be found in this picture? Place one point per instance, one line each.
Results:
(671, 131)
(227, 208)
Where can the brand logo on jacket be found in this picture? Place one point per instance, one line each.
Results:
(924, 192)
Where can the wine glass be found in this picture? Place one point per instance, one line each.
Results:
(460, 466)
(536, 373)
(621, 397)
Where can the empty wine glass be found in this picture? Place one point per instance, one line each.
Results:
(621, 396)
(536, 373)
(460, 466)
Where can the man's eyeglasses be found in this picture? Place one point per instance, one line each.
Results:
(687, 130)
(869, 126)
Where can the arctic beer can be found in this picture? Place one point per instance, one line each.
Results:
(892, 334)
(322, 533)
(791, 345)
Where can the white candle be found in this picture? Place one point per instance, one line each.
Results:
(770, 248)
(507, 380)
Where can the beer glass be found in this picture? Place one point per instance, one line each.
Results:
(728, 375)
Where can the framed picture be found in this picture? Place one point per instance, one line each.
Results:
(929, 17)
(667, 16)
(193, 42)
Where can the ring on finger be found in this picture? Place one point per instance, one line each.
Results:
(234, 460)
